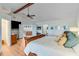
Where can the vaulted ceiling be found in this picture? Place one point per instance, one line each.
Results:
(45, 11)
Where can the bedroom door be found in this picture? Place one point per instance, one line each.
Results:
(5, 31)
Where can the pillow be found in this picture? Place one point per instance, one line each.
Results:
(69, 34)
(74, 34)
(62, 41)
(58, 38)
(76, 49)
(72, 41)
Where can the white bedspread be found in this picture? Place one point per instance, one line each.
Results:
(47, 46)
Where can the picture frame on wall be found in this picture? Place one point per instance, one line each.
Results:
(52, 28)
(64, 27)
(39, 28)
(56, 27)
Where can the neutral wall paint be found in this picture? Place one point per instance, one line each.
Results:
(21, 31)
(69, 23)
(0, 35)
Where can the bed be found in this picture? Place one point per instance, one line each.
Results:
(47, 46)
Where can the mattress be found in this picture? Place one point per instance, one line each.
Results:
(47, 46)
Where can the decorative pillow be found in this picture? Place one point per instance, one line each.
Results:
(72, 41)
(74, 34)
(58, 38)
(62, 41)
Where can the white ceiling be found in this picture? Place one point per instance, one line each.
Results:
(45, 11)
(55, 11)
(8, 7)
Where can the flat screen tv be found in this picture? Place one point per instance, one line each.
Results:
(15, 24)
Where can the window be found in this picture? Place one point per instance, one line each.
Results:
(39, 28)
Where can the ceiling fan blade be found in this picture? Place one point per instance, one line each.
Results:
(33, 15)
(30, 17)
(23, 7)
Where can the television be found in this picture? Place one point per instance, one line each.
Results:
(15, 24)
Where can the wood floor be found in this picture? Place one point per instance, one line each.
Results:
(18, 48)
(14, 50)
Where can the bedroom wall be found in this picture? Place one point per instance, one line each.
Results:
(23, 27)
(0, 34)
(56, 22)
(77, 17)
(34, 30)
(21, 31)
(53, 23)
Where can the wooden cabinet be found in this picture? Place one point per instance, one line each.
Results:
(29, 33)
(13, 39)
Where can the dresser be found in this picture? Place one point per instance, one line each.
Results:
(13, 39)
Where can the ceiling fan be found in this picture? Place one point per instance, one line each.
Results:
(29, 15)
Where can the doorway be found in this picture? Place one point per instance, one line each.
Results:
(5, 31)
(45, 29)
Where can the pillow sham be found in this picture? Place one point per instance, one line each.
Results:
(62, 41)
(72, 41)
(58, 38)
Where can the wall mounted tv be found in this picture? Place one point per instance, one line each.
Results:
(15, 24)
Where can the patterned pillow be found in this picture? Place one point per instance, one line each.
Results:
(71, 41)
(62, 41)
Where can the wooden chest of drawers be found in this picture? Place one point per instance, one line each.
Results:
(13, 39)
